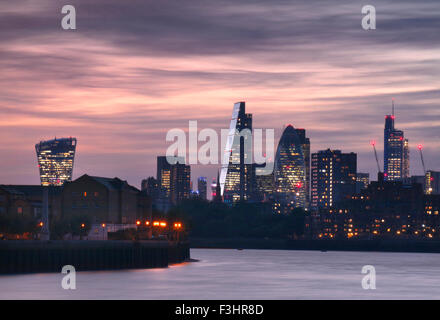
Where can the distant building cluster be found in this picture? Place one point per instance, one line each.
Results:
(339, 200)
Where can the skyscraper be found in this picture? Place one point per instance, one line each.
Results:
(55, 160)
(305, 143)
(174, 179)
(289, 173)
(164, 176)
(180, 182)
(396, 151)
(202, 187)
(236, 172)
(263, 184)
(333, 177)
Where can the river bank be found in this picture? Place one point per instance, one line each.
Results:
(422, 246)
(21, 256)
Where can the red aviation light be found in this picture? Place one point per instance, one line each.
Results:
(373, 142)
(420, 147)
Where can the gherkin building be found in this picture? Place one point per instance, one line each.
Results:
(289, 173)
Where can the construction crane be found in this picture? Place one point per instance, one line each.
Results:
(373, 143)
(420, 147)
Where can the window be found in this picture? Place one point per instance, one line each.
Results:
(96, 194)
(19, 210)
(85, 194)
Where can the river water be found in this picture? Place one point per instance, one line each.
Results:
(248, 274)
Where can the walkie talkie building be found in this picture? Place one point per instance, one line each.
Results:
(55, 160)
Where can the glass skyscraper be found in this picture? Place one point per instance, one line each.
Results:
(289, 173)
(55, 160)
(236, 172)
(396, 152)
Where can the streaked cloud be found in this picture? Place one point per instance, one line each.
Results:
(133, 70)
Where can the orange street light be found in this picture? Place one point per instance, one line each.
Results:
(147, 223)
(41, 224)
(138, 222)
(156, 223)
(103, 225)
(82, 225)
(163, 224)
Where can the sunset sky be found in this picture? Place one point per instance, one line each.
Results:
(134, 69)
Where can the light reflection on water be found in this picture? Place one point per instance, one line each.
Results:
(248, 274)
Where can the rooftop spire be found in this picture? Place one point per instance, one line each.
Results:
(392, 111)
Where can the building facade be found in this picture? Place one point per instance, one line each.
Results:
(180, 182)
(55, 160)
(362, 181)
(28, 200)
(174, 180)
(432, 182)
(263, 184)
(105, 200)
(333, 177)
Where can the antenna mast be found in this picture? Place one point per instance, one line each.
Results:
(392, 111)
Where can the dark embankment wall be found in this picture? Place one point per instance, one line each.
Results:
(50, 256)
(428, 246)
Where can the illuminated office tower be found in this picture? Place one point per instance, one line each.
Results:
(236, 172)
(202, 187)
(180, 182)
(263, 184)
(289, 173)
(333, 177)
(396, 152)
(55, 160)
(174, 179)
(305, 144)
(164, 176)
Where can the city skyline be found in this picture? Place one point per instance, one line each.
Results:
(118, 96)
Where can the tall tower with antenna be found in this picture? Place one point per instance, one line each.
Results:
(396, 150)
